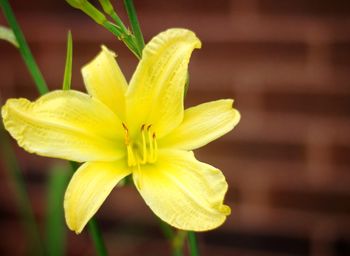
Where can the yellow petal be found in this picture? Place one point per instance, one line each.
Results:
(155, 94)
(183, 192)
(105, 81)
(65, 124)
(202, 124)
(88, 189)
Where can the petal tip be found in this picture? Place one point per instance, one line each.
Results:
(237, 117)
(104, 54)
(225, 209)
(77, 231)
(108, 51)
(4, 111)
(71, 220)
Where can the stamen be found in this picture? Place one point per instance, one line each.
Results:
(150, 144)
(155, 153)
(131, 158)
(126, 128)
(126, 137)
(144, 150)
(144, 145)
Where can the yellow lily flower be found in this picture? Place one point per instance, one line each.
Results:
(141, 129)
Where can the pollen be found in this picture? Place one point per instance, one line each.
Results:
(143, 148)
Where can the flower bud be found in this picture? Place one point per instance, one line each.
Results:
(77, 3)
(88, 9)
(107, 6)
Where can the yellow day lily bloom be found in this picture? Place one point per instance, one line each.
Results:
(140, 129)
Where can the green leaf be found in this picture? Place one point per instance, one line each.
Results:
(55, 226)
(68, 67)
(96, 236)
(8, 35)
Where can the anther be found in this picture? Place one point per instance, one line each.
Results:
(124, 126)
(126, 134)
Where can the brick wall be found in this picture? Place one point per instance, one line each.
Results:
(286, 64)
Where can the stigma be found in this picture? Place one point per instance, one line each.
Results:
(143, 147)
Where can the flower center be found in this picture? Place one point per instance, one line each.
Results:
(143, 149)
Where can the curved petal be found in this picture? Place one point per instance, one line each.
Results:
(202, 124)
(183, 192)
(155, 93)
(88, 189)
(105, 81)
(65, 124)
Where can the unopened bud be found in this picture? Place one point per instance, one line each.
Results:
(107, 6)
(76, 3)
(88, 9)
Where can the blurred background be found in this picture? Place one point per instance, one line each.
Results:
(286, 64)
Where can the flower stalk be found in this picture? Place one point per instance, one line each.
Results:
(118, 29)
(130, 9)
(68, 67)
(178, 242)
(192, 243)
(122, 36)
(97, 237)
(55, 228)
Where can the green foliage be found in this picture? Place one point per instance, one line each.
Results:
(55, 226)
(68, 67)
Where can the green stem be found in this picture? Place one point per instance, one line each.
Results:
(23, 48)
(119, 22)
(97, 237)
(167, 231)
(67, 78)
(134, 23)
(115, 30)
(127, 37)
(192, 243)
(178, 242)
(55, 227)
(25, 208)
(176, 239)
